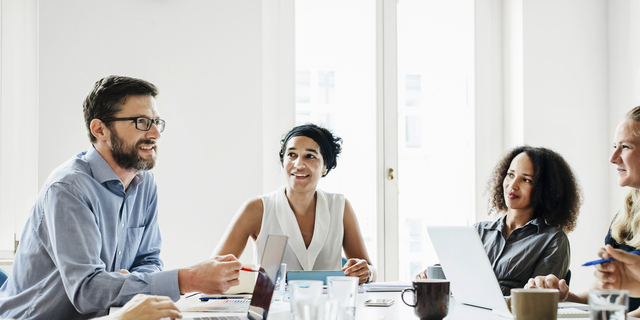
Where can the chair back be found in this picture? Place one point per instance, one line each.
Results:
(3, 277)
(567, 278)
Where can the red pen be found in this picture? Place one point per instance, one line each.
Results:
(249, 269)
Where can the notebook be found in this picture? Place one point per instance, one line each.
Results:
(262, 291)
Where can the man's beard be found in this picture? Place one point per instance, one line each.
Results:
(127, 157)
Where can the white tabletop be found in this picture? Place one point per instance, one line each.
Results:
(280, 310)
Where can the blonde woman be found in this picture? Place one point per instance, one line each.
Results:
(624, 232)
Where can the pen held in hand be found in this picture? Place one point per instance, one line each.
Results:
(600, 261)
(249, 269)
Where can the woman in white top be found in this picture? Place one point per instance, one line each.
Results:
(319, 224)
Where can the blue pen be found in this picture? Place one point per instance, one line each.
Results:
(594, 262)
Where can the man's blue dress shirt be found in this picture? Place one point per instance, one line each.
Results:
(83, 228)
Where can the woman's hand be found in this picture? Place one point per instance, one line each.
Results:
(422, 275)
(144, 307)
(622, 273)
(357, 268)
(549, 282)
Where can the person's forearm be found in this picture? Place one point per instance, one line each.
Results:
(185, 276)
(635, 313)
(111, 317)
(578, 297)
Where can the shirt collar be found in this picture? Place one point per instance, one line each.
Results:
(536, 222)
(497, 224)
(101, 170)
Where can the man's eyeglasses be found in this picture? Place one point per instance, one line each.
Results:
(142, 123)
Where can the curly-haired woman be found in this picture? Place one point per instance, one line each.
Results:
(319, 224)
(537, 194)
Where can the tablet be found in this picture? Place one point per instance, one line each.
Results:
(313, 275)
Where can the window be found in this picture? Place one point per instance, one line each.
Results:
(433, 130)
(413, 90)
(335, 48)
(413, 131)
(303, 86)
(436, 146)
(326, 84)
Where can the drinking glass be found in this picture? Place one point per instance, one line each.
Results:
(345, 290)
(609, 304)
(305, 295)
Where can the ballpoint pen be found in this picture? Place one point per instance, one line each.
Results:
(207, 298)
(594, 262)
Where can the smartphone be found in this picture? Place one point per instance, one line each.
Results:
(379, 302)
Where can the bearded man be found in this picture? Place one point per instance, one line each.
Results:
(92, 240)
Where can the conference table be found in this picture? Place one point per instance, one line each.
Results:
(281, 310)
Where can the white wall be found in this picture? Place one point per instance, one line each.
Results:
(18, 125)
(206, 59)
(488, 96)
(565, 91)
(278, 76)
(624, 76)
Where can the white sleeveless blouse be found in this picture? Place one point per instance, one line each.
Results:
(325, 250)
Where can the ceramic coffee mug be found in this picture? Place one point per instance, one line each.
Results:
(430, 298)
(534, 304)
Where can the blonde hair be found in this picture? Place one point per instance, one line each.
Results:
(625, 228)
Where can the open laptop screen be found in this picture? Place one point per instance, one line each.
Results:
(265, 284)
(458, 248)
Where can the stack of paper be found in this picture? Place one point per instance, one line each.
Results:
(394, 286)
(572, 313)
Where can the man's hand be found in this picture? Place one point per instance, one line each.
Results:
(549, 282)
(357, 268)
(213, 276)
(622, 273)
(144, 307)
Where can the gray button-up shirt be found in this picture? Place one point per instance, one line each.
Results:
(535, 249)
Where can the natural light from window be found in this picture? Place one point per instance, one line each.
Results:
(335, 88)
(435, 124)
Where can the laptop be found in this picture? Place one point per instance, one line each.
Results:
(467, 267)
(263, 289)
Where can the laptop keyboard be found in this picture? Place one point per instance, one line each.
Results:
(221, 306)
